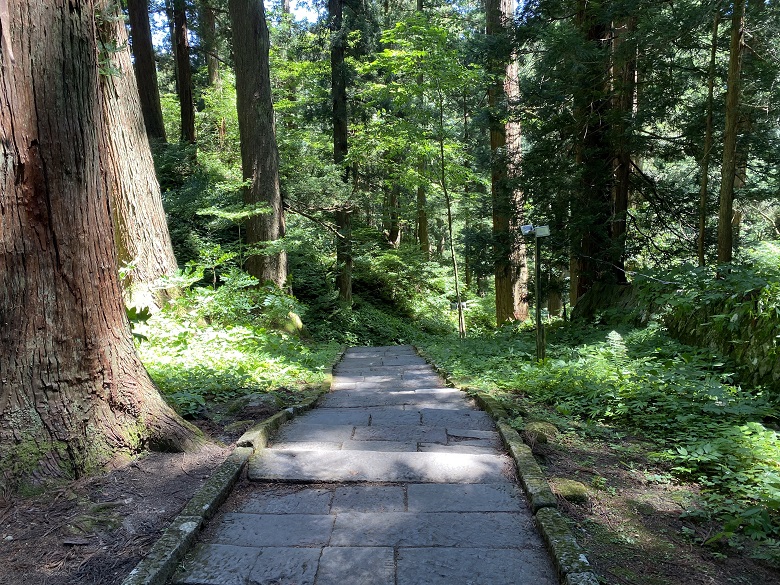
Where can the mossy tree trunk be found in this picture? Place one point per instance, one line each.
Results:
(73, 393)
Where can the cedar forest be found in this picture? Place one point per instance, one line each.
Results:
(205, 200)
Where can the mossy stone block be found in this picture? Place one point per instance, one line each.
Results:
(540, 432)
(571, 490)
(582, 579)
(568, 556)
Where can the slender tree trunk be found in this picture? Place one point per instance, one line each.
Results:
(209, 28)
(624, 88)
(729, 169)
(394, 232)
(423, 237)
(511, 275)
(708, 132)
(140, 226)
(259, 154)
(73, 393)
(344, 254)
(184, 71)
(343, 216)
(146, 69)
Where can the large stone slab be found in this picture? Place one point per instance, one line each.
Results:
(217, 564)
(356, 398)
(297, 431)
(384, 417)
(442, 529)
(401, 433)
(464, 419)
(274, 499)
(368, 498)
(475, 566)
(500, 497)
(274, 530)
(356, 565)
(396, 446)
(361, 466)
(335, 417)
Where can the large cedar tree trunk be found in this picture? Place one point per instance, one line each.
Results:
(591, 208)
(259, 154)
(343, 215)
(511, 273)
(73, 393)
(146, 68)
(624, 67)
(183, 71)
(140, 226)
(729, 168)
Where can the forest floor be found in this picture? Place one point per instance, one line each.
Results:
(636, 526)
(94, 531)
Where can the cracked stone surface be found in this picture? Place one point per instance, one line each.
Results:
(394, 479)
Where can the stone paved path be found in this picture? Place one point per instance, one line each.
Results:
(394, 480)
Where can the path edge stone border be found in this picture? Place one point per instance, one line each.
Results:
(568, 556)
(159, 564)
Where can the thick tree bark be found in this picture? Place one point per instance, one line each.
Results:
(146, 69)
(140, 226)
(729, 169)
(73, 393)
(183, 71)
(511, 274)
(259, 154)
(708, 132)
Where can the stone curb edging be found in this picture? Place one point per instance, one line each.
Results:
(159, 564)
(568, 556)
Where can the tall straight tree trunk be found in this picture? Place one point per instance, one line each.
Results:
(73, 393)
(146, 69)
(729, 169)
(338, 90)
(184, 71)
(708, 132)
(511, 275)
(624, 89)
(591, 209)
(209, 28)
(259, 154)
(422, 204)
(140, 226)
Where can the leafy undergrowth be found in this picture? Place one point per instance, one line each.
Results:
(696, 426)
(207, 355)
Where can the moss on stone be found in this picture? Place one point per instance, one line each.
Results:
(570, 490)
(539, 432)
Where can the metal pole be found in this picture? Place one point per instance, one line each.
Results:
(540, 350)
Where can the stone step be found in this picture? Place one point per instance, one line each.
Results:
(296, 465)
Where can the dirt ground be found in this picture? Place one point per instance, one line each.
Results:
(95, 530)
(632, 525)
